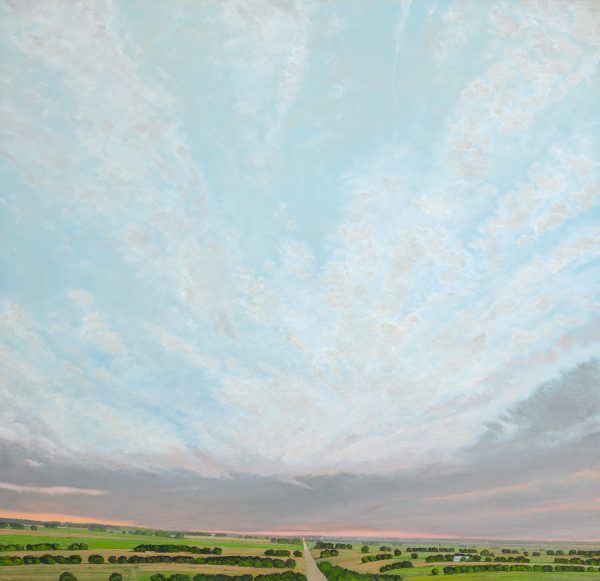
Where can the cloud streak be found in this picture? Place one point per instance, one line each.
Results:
(51, 490)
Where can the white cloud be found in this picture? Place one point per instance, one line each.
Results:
(411, 320)
(51, 490)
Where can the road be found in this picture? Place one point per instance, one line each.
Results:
(312, 571)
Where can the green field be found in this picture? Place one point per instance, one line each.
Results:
(107, 543)
(421, 570)
(100, 540)
(116, 543)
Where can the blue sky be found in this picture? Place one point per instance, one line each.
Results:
(296, 242)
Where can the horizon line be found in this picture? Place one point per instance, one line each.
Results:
(352, 533)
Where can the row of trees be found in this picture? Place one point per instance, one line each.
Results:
(9, 561)
(538, 568)
(287, 576)
(43, 560)
(336, 573)
(42, 547)
(434, 550)
(68, 576)
(396, 565)
(51, 559)
(20, 526)
(584, 552)
(235, 560)
(581, 552)
(383, 548)
(285, 541)
(178, 549)
(329, 553)
(277, 553)
(377, 557)
(475, 558)
(133, 559)
(323, 545)
(577, 561)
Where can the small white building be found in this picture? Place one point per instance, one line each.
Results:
(460, 557)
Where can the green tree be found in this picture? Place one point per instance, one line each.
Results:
(66, 576)
(364, 549)
(115, 577)
(435, 571)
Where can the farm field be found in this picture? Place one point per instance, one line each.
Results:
(117, 544)
(421, 569)
(516, 576)
(108, 540)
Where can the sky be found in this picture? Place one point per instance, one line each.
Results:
(302, 265)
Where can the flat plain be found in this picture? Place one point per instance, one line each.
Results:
(421, 569)
(121, 543)
(107, 543)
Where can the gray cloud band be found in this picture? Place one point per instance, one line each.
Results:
(534, 473)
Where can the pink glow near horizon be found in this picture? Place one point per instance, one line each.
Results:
(60, 517)
(355, 533)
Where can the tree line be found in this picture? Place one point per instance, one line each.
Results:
(239, 561)
(435, 550)
(235, 560)
(9, 561)
(287, 576)
(325, 554)
(580, 552)
(538, 568)
(577, 561)
(383, 548)
(277, 553)
(68, 576)
(377, 557)
(396, 565)
(178, 549)
(42, 547)
(336, 573)
(476, 558)
(338, 546)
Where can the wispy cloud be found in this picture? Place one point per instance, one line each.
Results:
(51, 490)
(242, 260)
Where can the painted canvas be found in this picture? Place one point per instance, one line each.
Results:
(299, 289)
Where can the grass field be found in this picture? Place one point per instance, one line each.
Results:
(114, 543)
(99, 540)
(421, 570)
(129, 572)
